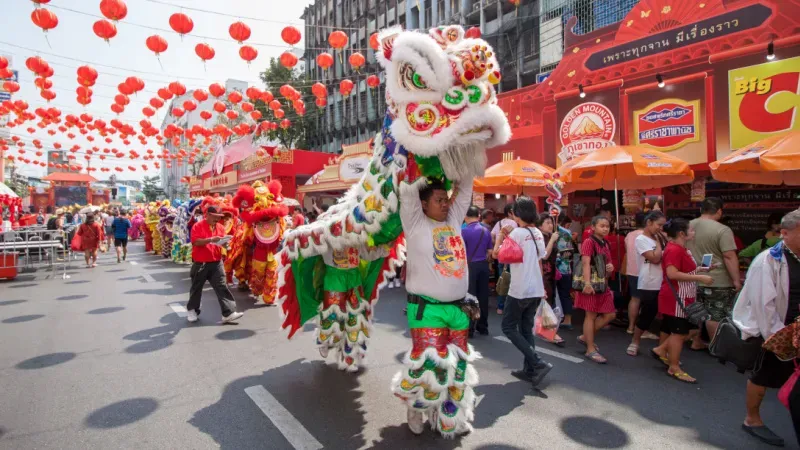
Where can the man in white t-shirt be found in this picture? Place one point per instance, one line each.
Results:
(436, 280)
(526, 291)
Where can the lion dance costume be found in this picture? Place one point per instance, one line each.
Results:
(442, 115)
(252, 255)
(151, 233)
(167, 219)
(181, 243)
(137, 225)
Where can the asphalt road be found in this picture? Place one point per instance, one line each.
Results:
(106, 360)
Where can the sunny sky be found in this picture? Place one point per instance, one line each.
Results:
(72, 44)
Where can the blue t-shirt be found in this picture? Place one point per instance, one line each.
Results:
(121, 226)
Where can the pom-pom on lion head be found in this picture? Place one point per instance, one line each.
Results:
(245, 197)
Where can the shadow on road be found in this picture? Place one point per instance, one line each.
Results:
(121, 413)
(11, 302)
(234, 335)
(109, 310)
(48, 360)
(593, 432)
(158, 338)
(72, 297)
(316, 394)
(19, 319)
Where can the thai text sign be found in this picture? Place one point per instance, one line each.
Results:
(722, 25)
(220, 181)
(763, 100)
(667, 124)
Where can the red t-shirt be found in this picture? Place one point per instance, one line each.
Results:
(209, 252)
(681, 259)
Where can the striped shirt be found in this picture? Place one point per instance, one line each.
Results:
(680, 258)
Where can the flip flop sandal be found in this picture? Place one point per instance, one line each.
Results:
(632, 350)
(663, 360)
(680, 376)
(596, 357)
(560, 343)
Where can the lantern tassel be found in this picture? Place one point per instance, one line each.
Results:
(159, 62)
(47, 40)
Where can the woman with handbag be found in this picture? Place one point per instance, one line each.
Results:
(91, 233)
(678, 291)
(591, 280)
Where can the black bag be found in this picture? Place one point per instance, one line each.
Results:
(696, 313)
(727, 345)
(597, 266)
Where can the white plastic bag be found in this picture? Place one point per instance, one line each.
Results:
(546, 316)
(558, 311)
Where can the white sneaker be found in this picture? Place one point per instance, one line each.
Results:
(323, 351)
(192, 317)
(416, 421)
(232, 317)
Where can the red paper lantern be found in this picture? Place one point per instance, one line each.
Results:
(235, 97)
(274, 105)
(217, 90)
(255, 115)
(87, 73)
(48, 95)
(148, 111)
(319, 90)
(113, 9)
(239, 31)
(253, 93)
(288, 60)
(345, 87)
(135, 83)
(373, 41)
(473, 33)
(279, 113)
(321, 102)
(117, 108)
(337, 39)
(290, 35)
(177, 112)
(373, 81)
(120, 99)
(285, 123)
(44, 19)
(205, 115)
(204, 51)
(247, 107)
(325, 60)
(104, 29)
(10, 86)
(233, 115)
(177, 88)
(181, 23)
(156, 102)
(124, 89)
(357, 61)
(156, 44)
(189, 105)
(3, 62)
(220, 107)
(248, 53)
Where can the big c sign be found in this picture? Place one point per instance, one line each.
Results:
(764, 100)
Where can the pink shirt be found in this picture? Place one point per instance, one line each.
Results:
(631, 268)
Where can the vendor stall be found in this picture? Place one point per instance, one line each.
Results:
(337, 175)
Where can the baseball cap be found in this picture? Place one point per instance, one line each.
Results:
(214, 211)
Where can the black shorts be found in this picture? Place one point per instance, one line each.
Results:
(633, 286)
(675, 325)
(770, 371)
(121, 242)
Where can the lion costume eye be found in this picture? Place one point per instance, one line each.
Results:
(410, 79)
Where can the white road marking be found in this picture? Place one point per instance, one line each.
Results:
(148, 278)
(179, 309)
(284, 421)
(547, 351)
(134, 263)
(479, 399)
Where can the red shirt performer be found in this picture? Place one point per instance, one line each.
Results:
(207, 242)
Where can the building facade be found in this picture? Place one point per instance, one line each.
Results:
(527, 39)
(171, 176)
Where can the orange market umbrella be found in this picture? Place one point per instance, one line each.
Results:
(774, 160)
(514, 177)
(624, 167)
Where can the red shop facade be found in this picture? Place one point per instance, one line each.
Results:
(688, 77)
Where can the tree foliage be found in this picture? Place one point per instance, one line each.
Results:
(150, 187)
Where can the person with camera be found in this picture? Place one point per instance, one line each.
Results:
(770, 301)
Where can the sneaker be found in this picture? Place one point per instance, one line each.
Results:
(541, 371)
(192, 317)
(649, 335)
(416, 421)
(522, 375)
(323, 351)
(232, 317)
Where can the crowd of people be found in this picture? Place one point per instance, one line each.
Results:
(678, 280)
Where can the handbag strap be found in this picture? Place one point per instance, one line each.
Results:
(535, 247)
(677, 297)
